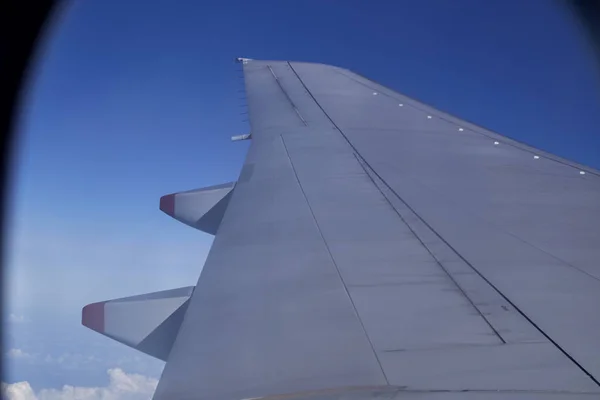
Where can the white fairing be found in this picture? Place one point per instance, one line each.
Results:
(132, 321)
(191, 206)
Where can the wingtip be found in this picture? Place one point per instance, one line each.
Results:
(167, 204)
(92, 316)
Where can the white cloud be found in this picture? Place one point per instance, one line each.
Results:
(67, 360)
(72, 360)
(122, 386)
(18, 391)
(15, 318)
(17, 353)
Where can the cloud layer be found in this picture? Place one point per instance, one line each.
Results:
(122, 386)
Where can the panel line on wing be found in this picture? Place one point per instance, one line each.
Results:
(333, 260)
(287, 96)
(362, 163)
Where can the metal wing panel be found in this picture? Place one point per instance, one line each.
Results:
(529, 225)
(278, 113)
(381, 261)
(270, 313)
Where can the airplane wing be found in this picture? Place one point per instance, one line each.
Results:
(374, 246)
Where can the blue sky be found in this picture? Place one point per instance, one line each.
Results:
(133, 100)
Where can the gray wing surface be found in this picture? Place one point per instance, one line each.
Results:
(374, 246)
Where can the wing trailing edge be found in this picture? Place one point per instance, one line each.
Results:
(148, 322)
(202, 209)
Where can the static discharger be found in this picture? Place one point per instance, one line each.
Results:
(241, 137)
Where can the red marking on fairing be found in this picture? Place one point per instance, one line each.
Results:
(167, 204)
(92, 316)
